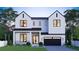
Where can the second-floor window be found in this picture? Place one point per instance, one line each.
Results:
(36, 23)
(39, 23)
(33, 23)
(56, 23)
(23, 23)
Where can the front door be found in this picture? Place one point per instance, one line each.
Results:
(35, 38)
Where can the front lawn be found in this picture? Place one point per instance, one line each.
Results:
(73, 47)
(22, 48)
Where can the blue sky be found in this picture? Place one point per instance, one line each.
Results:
(40, 11)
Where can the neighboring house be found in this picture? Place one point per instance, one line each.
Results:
(48, 30)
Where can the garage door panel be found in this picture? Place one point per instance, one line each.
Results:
(50, 42)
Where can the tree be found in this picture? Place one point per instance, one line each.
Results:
(7, 14)
(70, 16)
(2, 30)
(68, 37)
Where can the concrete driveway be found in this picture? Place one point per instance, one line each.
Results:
(58, 48)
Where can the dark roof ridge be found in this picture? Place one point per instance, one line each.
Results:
(56, 11)
(25, 13)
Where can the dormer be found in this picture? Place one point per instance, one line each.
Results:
(23, 20)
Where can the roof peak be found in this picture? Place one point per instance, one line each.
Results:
(41, 17)
(25, 13)
(55, 12)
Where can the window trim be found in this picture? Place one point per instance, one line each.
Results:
(57, 21)
(22, 24)
(22, 39)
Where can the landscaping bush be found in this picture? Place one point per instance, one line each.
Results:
(22, 44)
(75, 39)
(28, 44)
(40, 44)
(2, 39)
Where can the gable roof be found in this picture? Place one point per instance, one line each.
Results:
(25, 13)
(55, 12)
(40, 17)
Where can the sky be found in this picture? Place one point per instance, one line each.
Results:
(40, 11)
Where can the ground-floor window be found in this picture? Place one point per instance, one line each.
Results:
(35, 38)
(23, 37)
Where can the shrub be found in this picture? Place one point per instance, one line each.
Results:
(23, 45)
(28, 43)
(2, 39)
(40, 44)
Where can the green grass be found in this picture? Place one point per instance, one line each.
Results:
(22, 48)
(73, 47)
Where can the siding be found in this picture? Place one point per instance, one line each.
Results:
(59, 30)
(44, 24)
(26, 17)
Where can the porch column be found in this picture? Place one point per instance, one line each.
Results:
(14, 36)
(40, 37)
(30, 37)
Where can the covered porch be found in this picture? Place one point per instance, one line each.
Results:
(22, 37)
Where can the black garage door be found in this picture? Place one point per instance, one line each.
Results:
(52, 42)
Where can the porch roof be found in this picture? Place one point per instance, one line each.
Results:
(31, 29)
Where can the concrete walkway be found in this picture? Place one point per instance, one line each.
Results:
(58, 48)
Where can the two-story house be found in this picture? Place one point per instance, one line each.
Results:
(48, 30)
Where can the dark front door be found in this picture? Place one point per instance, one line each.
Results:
(52, 42)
